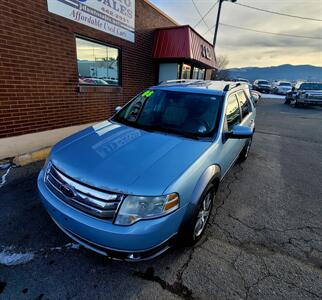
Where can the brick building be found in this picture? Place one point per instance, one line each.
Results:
(58, 74)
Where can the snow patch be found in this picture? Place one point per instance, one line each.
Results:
(271, 96)
(9, 258)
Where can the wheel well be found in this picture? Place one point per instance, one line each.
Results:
(215, 182)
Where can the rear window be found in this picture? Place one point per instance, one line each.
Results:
(262, 82)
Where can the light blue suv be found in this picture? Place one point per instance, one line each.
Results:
(132, 186)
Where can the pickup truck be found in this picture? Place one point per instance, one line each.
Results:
(305, 93)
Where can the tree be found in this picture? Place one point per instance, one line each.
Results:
(221, 73)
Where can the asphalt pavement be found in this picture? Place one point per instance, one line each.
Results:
(264, 240)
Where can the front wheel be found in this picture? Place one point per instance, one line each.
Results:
(193, 233)
(297, 104)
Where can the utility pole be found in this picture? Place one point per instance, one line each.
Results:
(218, 19)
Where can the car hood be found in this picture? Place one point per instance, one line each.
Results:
(124, 159)
(264, 85)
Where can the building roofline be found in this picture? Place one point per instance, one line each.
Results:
(161, 12)
(185, 26)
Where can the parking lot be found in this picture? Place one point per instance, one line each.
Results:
(264, 240)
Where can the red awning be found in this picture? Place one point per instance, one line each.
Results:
(183, 43)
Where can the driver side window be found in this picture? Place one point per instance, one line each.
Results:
(232, 112)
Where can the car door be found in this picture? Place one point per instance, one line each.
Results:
(231, 147)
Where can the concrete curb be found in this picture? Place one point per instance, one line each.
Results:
(29, 158)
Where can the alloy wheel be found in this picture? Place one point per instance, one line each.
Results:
(203, 215)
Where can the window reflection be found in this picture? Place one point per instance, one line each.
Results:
(233, 112)
(97, 64)
(186, 71)
(198, 73)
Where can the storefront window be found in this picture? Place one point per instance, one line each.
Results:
(186, 71)
(98, 64)
(198, 73)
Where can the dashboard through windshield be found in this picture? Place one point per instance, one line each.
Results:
(182, 113)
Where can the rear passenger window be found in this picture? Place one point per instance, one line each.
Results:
(244, 104)
(232, 112)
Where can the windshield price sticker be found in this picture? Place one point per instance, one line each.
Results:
(147, 94)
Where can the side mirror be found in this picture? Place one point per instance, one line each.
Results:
(117, 109)
(239, 132)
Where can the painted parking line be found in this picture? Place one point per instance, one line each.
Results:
(4, 176)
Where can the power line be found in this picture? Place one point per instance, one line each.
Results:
(199, 13)
(206, 14)
(266, 32)
(278, 13)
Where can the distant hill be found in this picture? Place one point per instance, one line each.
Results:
(283, 72)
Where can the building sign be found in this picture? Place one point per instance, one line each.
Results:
(116, 17)
(205, 52)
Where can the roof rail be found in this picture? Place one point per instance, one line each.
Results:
(230, 86)
(180, 81)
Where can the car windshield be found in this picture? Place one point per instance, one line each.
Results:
(187, 114)
(285, 84)
(311, 86)
(262, 82)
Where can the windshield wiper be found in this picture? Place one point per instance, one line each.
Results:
(154, 128)
(176, 132)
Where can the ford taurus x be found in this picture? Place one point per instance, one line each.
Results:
(131, 186)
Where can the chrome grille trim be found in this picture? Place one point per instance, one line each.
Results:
(89, 200)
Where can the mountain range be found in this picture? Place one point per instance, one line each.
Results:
(282, 72)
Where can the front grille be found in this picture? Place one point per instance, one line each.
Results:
(94, 202)
(319, 97)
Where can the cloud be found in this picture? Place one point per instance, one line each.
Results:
(244, 48)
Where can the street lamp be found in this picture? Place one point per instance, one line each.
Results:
(218, 17)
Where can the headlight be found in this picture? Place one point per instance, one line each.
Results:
(135, 208)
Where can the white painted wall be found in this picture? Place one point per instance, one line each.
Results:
(168, 72)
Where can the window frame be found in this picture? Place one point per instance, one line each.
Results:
(89, 39)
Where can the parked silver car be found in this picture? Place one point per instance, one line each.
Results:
(281, 87)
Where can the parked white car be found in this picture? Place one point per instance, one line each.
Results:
(281, 87)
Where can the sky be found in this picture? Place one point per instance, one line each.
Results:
(245, 48)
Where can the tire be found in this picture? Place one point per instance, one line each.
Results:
(245, 152)
(297, 105)
(287, 101)
(196, 228)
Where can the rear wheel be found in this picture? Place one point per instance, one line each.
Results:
(287, 101)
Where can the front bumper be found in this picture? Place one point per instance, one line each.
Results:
(282, 92)
(142, 240)
(264, 89)
(309, 101)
